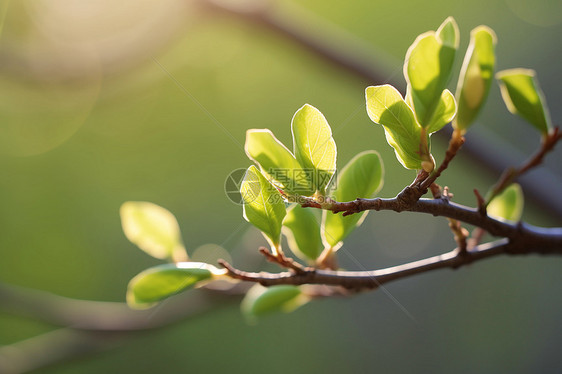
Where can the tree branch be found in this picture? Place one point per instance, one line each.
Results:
(523, 232)
(372, 279)
(519, 239)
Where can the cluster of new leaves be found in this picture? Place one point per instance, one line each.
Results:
(282, 175)
(275, 189)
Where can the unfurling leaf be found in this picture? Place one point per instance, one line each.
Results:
(302, 228)
(276, 161)
(153, 229)
(314, 146)
(508, 205)
(263, 205)
(386, 107)
(476, 76)
(427, 69)
(260, 300)
(360, 178)
(523, 96)
(160, 282)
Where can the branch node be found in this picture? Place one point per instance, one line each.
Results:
(283, 261)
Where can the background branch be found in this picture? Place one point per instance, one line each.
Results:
(54, 347)
(107, 316)
(92, 326)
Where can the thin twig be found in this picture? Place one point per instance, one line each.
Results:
(436, 207)
(511, 174)
(374, 278)
(455, 143)
(282, 260)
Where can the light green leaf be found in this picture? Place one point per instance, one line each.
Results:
(523, 96)
(314, 146)
(263, 205)
(508, 205)
(448, 33)
(360, 178)
(260, 300)
(444, 112)
(386, 107)
(428, 66)
(160, 282)
(476, 75)
(276, 161)
(153, 229)
(302, 228)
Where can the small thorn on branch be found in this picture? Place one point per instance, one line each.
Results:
(481, 202)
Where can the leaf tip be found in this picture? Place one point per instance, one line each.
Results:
(448, 32)
(484, 29)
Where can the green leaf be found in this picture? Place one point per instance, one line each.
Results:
(523, 96)
(302, 228)
(314, 146)
(360, 178)
(386, 107)
(153, 229)
(263, 205)
(448, 33)
(444, 112)
(508, 205)
(276, 161)
(476, 76)
(160, 282)
(427, 68)
(260, 300)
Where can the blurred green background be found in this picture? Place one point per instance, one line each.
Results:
(92, 114)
